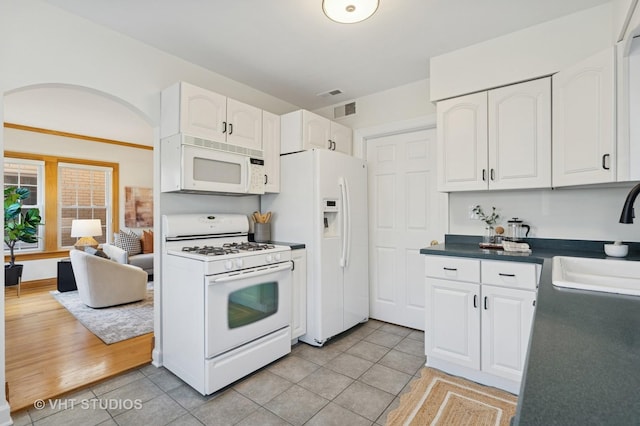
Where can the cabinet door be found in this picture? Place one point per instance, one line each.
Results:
(452, 327)
(462, 143)
(520, 135)
(507, 315)
(316, 131)
(342, 136)
(271, 148)
(583, 122)
(202, 113)
(244, 125)
(299, 293)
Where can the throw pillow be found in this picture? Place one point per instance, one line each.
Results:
(129, 242)
(147, 241)
(96, 252)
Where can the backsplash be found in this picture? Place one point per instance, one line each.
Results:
(570, 213)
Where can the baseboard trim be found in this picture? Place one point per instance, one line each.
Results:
(45, 282)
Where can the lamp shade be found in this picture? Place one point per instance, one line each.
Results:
(349, 11)
(86, 229)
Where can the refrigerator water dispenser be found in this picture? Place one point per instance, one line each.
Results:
(330, 218)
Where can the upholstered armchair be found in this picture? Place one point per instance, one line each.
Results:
(102, 282)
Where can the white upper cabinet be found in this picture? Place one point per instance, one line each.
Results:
(342, 138)
(584, 122)
(271, 148)
(303, 130)
(499, 139)
(208, 115)
(520, 135)
(244, 125)
(462, 143)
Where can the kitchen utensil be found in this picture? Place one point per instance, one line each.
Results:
(617, 249)
(516, 230)
(261, 218)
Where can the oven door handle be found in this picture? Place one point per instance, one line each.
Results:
(253, 274)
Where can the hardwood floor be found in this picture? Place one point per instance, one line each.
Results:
(48, 352)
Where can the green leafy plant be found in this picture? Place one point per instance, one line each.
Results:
(19, 224)
(490, 219)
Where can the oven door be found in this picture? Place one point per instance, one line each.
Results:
(214, 171)
(246, 305)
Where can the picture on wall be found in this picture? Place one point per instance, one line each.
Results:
(138, 207)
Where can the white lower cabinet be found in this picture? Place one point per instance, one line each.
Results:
(506, 320)
(453, 322)
(479, 316)
(299, 294)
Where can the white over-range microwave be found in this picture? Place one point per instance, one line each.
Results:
(189, 164)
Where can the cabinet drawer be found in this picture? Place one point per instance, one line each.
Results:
(510, 274)
(452, 268)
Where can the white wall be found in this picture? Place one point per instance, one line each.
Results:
(397, 104)
(571, 213)
(44, 44)
(533, 52)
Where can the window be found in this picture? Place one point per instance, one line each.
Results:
(72, 189)
(27, 174)
(84, 192)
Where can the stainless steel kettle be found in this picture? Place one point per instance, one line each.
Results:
(516, 230)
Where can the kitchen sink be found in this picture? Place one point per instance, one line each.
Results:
(607, 275)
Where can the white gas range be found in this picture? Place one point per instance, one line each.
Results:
(226, 302)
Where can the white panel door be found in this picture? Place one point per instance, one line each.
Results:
(453, 322)
(507, 315)
(462, 143)
(520, 135)
(584, 122)
(405, 213)
(244, 125)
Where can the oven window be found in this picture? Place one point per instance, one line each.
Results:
(252, 304)
(207, 170)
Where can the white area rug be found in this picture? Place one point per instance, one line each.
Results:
(112, 324)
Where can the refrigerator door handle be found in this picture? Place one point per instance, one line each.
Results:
(346, 223)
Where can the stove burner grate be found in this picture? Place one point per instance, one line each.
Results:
(228, 248)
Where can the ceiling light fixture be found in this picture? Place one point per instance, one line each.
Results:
(349, 11)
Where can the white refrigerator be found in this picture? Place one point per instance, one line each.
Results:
(323, 204)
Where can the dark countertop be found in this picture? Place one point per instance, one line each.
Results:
(583, 364)
(294, 246)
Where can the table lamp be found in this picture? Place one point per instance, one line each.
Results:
(86, 229)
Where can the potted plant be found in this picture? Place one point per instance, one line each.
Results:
(19, 225)
(490, 221)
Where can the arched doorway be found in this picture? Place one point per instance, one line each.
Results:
(76, 110)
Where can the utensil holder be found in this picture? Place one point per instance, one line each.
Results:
(262, 232)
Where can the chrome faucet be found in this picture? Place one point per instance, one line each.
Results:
(627, 210)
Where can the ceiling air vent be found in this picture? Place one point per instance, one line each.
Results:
(333, 92)
(344, 110)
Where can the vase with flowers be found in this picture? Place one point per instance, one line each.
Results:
(490, 220)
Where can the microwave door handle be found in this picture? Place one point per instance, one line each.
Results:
(258, 273)
(248, 176)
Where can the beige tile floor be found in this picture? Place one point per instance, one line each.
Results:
(355, 379)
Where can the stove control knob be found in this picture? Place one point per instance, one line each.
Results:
(269, 258)
(228, 265)
(239, 263)
(278, 257)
